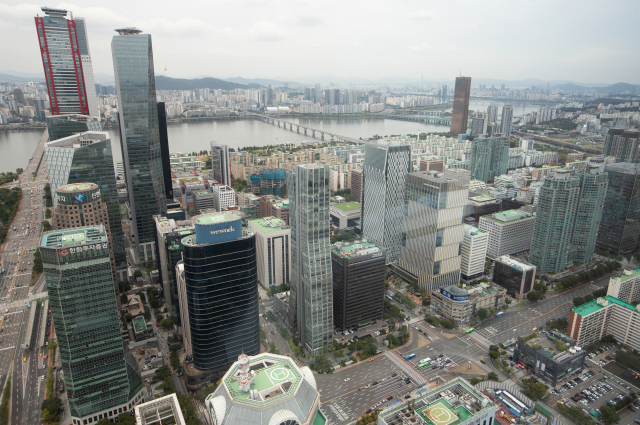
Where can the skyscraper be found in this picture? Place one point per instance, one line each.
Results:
(623, 144)
(489, 158)
(620, 226)
(220, 164)
(492, 113)
(505, 123)
(479, 124)
(139, 135)
(311, 297)
(460, 113)
(60, 126)
(432, 228)
(87, 158)
(101, 379)
(554, 222)
(218, 292)
(64, 48)
(386, 165)
(593, 188)
(164, 151)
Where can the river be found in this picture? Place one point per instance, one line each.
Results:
(17, 148)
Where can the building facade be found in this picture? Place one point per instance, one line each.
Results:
(358, 284)
(622, 144)
(489, 158)
(66, 60)
(619, 230)
(593, 188)
(220, 164)
(510, 232)
(101, 379)
(224, 197)
(139, 135)
(473, 252)
(461, 304)
(311, 301)
(87, 158)
(507, 118)
(273, 251)
(460, 112)
(218, 292)
(432, 228)
(386, 166)
(203, 200)
(625, 287)
(60, 126)
(356, 185)
(514, 275)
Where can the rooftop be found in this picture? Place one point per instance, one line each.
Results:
(355, 249)
(472, 230)
(600, 303)
(269, 224)
(72, 237)
(160, 411)
(629, 274)
(348, 206)
(513, 262)
(139, 325)
(508, 216)
(218, 218)
(76, 187)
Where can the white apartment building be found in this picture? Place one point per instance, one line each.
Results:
(273, 250)
(626, 287)
(510, 232)
(223, 197)
(473, 252)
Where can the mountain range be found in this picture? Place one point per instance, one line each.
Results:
(168, 83)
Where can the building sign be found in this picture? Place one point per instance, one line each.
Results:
(218, 229)
(78, 198)
(82, 248)
(454, 297)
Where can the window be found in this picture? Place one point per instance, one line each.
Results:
(436, 267)
(439, 233)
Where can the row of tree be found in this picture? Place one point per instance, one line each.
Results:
(588, 275)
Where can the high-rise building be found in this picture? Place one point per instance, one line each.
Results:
(622, 144)
(101, 378)
(311, 301)
(526, 144)
(619, 231)
(473, 252)
(386, 165)
(479, 123)
(444, 92)
(489, 158)
(492, 113)
(515, 276)
(356, 185)
(358, 284)
(218, 293)
(625, 287)
(64, 47)
(510, 232)
(593, 188)
(269, 182)
(432, 228)
(507, 118)
(220, 164)
(139, 135)
(164, 151)
(87, 158)
(273, 251)
(60, 126)
(555, 219)
(460, 113)
(224, 197)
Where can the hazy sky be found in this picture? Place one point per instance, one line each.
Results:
(582, 40)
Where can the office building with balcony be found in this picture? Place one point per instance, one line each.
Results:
(204, 200)
(218, 295)
(101, 378)
(311, 299)
(473, 252)
(516, 276)
(139, 136)
(358, 284)
(432, 228)
(273, 251)
(510, 232)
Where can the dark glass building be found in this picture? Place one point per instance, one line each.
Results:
(515, 276)
(101, 379)
(139, 135)
(164, 151)
(218, 292)
(87, 158)
(460, 112)
(358, 283)
(60, 126)
(620, 226)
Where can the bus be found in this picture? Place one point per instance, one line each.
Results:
(410, 356)
(388, 297)
(534, 329)
(423, 365)
(519, 405)
(500, 314)
(468, 331)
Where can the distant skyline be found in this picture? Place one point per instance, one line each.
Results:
(591, 41)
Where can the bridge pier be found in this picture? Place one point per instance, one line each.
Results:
(305, 131)
(278, 123)
(321, 136)
(298, 128)
(313, 133)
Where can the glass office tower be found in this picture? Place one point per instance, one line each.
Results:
(460, 111)
(620, 226)
(60, 126)
(220, 164)
(489, 158)
(386, 165)
(593, 188)
(139, 135)
(87, 158)
(311, 295)
(219, 290)
(100, 379)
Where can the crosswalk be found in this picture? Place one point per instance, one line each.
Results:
(200, 405)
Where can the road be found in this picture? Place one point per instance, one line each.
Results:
(17, 257)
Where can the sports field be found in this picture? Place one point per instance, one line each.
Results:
(441, 413)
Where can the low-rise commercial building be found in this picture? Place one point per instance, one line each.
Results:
(461, 304)
(202, 200)
(224, 197)
(515, 276)
(457, 401)
(358, 283)
(473, 252)
(591, 321)
(510, 232)
(160, 411)
(273, 251)
(346, 214)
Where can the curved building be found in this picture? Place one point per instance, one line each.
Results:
(218, 292)
(265, 389)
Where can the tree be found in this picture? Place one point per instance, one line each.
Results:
(588, 298)
(482, 313)
(269, 293)
(534, 296)
(608, 415)
(46, 226)
(167, 324)
(578, 301)
(124, 286)
(540, 287)
(534, 389)
(137, 274)
(508, 301)
(492, 376)
(47, 213)
(448, 323)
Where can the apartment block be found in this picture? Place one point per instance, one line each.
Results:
(626, 287)
(510, 232)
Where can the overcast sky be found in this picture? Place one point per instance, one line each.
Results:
(582, 40)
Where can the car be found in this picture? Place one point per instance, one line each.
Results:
(483, 362)
(367, 386)
(43, 378)
(375, 383)
(407, 396)
(25, 359)
(371, 359)
(431, 349)
(40, 354)
(394, 375)
(347, 380)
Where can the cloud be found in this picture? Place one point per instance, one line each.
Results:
(467, 26)
(437, 48)
(267, 31)
(421, 15)
(310, 21)
(21, 14)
